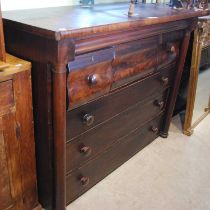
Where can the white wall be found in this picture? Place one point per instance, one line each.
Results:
(27, 4)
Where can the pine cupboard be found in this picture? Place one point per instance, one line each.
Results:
(18, 186)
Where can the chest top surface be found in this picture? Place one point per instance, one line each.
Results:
(74, 21)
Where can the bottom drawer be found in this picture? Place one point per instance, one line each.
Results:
(82, 179)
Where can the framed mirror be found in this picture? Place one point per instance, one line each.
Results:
(198, 100)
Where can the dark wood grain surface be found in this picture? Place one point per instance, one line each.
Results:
(63, 22)
(108, 106)
(108, 132)
(134, 60)
(97, 169)
(80, 87)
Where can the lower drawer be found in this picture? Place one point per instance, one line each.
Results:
(82, 179)
(95, 141)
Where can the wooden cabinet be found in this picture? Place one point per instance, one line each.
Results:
(18, 186)
(104, 87)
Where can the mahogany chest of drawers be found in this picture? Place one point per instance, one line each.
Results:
(104, 87)
(18, 187)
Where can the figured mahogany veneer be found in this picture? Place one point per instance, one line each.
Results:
(94, 74)
(89, 83)
(134, 60)
(104, 86)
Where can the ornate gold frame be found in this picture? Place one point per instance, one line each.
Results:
(200, 36)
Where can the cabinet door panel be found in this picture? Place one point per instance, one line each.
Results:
(10, 178)
(5, 192)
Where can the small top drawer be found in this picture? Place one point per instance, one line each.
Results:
(90, 76)
(133, 60)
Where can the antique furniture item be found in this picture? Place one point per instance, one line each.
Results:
(197, 81)
(103, 88)
(18, 187)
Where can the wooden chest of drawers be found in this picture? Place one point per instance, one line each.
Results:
(103, 89)
(18, 187)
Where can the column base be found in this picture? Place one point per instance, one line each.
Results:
(163, 134)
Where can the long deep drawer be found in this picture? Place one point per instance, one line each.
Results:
(82, 179)
(88, 116)
(93, 142)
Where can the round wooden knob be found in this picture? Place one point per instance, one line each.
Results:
(88, 119)
(171, 48)
(165, 80)
(86, 150)
(85, 180)
(159, 104)
(155, 129)
(92, 79)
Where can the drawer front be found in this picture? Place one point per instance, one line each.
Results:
(134, 60)
(112, 104)
(6, 96)
(82, 179)
(93, 142)
(90, 76)
(169, 49)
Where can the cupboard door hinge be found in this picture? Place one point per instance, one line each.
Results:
(18, 130)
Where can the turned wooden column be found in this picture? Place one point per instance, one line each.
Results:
(59, 80)
(59, 132)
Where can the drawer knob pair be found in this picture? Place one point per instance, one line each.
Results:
(165, 80)
(155, 129)
(88, 119)
(92, 79)
(86, 150)
(85, 180)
